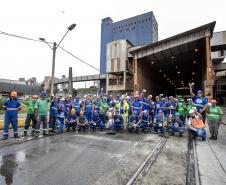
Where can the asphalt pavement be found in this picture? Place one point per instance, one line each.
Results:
(72, 158)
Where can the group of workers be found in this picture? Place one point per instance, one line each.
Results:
(135, 113)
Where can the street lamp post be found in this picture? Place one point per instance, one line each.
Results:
(54, 48)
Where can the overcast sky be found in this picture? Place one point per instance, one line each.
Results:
(50, 19)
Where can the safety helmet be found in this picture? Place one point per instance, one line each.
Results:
(191, 111)
(127, 97)
(69, 96)
(135, 112)
(150, 96)
(160, 111)
(95, 111)
(136, 96)
(213, 101)
(81, 113)
(13, 94)
(77, 97)
(117, 110)
(35, 96)
(43, 93)
(177, 114)
(122, 97)
(199, 92)
(145, 111)
(72, 111)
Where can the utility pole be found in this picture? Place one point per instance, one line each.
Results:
(53, 68)
(70, 83)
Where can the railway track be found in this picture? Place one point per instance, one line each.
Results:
(192, 172)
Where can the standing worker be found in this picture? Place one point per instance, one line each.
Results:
(41, 110)
(30, 115)
(200, 102)
(11, 106)
(214, 117)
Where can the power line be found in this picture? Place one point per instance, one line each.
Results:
(36, 40)
(79, 59)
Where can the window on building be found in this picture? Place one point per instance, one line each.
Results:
(112, 65)
(118, 64)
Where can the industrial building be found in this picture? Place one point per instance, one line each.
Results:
(164, 66)
(139, 30)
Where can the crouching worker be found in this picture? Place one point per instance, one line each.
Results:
(71, 120)
(11, 106)
(134, 123)
(145, 122)
(196, 125)
(175, 126)
(160, 122)
(82, 122)
(95, 120)
(118, 121)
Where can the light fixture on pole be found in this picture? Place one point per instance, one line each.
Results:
(55, 46)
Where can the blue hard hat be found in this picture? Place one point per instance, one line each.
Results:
(95, 111)
(160, 111)
(135, 112)
(77, 97)
(117, 110)
(199, 92)
(43, 93)
(177, 114)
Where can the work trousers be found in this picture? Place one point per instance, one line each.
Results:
(29, 118)
(42, 120)
(14, 121)
(213, 127)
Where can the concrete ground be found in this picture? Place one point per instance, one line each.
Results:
(74, 158)
(212, 159)
(170, 167)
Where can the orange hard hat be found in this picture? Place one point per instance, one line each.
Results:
(35, 96)
(13, 94)
(72, 111)
(81, 113)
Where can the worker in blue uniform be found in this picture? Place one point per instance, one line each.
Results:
(71, 120)
(137, 105)
(77, 105)
(145, 122)
(200, 102)
(11, 106)
(62, 113)
(134, 122)
(158, 105)
(118, 121)
(87, 107)
(96, 104)
(53, 112)
(175, 125)
(160, 122)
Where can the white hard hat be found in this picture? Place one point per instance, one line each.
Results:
(191, 111)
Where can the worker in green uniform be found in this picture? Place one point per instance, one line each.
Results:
(41, 110)
(189, 106)
(103, 110)
(30, 115)
(214, 117)
(181, 108)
